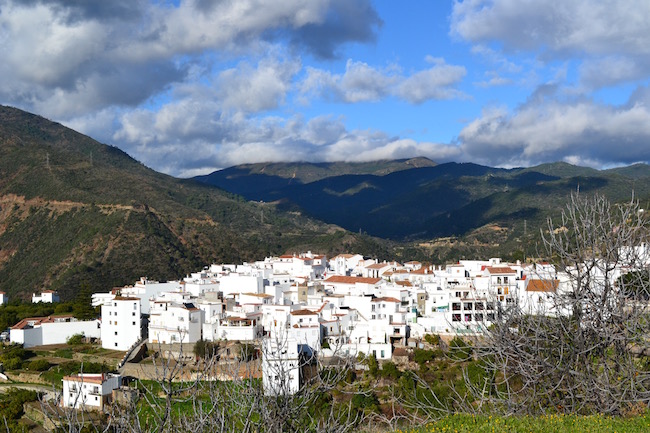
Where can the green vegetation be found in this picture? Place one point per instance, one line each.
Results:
(463, 423)
(80, 225)
(11, 407)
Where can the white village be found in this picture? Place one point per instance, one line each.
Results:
(303, 305)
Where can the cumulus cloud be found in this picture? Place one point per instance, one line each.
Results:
(613, 35)
(254, 89)
(364, 83)
(63, 58)
(548, 128)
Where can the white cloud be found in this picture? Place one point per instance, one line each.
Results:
(252, 89)
(546, 129)
(364, 83)
(613, 35)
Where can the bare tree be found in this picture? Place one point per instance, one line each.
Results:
(224, 392)
(581, 355)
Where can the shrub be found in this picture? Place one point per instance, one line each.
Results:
(390, 371)
(13, 363)
(459, 349)
(75, 340)
(433, 339)
(38, 365)
(422, 356)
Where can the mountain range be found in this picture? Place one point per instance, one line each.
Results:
(414, 201)
(79, 216)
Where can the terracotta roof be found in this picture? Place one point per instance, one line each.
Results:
(341, 279)
(304, 312)
(542, 285)
(379, 266)
(404, 283)
(500, 270)
(387, 299)
(87, 378)
(422, 271)
(38, 320)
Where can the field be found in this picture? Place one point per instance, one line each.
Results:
(542, 424)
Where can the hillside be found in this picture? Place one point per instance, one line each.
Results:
(482, 208)
(77, 214)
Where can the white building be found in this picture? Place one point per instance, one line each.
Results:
(46, 296)
(39, 331)
(89, 391)
(121, 323)
(3, 298)
(283, 360)
(172, 322)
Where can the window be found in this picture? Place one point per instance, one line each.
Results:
(505, 280)
(396, 331)
(135, 305)
(133, 314)
(498, 280)
(468, 317)
(133, 323)
(478, 317)
(455, 306)
(115, 344)
(468, 306)
(382, 354)
(115, 332)
(455, 317)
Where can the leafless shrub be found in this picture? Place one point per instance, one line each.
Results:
(579, 357)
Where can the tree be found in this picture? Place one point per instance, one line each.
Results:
(579, 356)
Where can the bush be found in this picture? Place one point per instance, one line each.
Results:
(422, 356)
(38, 365)
(13, 363)
(459, 349)
(390, 371)
(433, 339)
(75, 340)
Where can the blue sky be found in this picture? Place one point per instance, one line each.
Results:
(188, 87)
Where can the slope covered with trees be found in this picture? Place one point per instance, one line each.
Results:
(75, 213)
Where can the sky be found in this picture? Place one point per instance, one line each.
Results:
(191, 86)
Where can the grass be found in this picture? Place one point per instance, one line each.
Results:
(462, 423)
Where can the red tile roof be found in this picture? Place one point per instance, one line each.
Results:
(341, 279)
(548, 286)
(500, 270)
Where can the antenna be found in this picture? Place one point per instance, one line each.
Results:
(47, 160)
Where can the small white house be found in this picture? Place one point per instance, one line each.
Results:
(3, 298)
(89, 391)
(46, 296)
(172, 322)
(39, 331)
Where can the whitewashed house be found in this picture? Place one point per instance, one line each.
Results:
(89, 391)
(3, 298)
(39, 331)
(171, 322)
(46, 296)
(121, 323)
